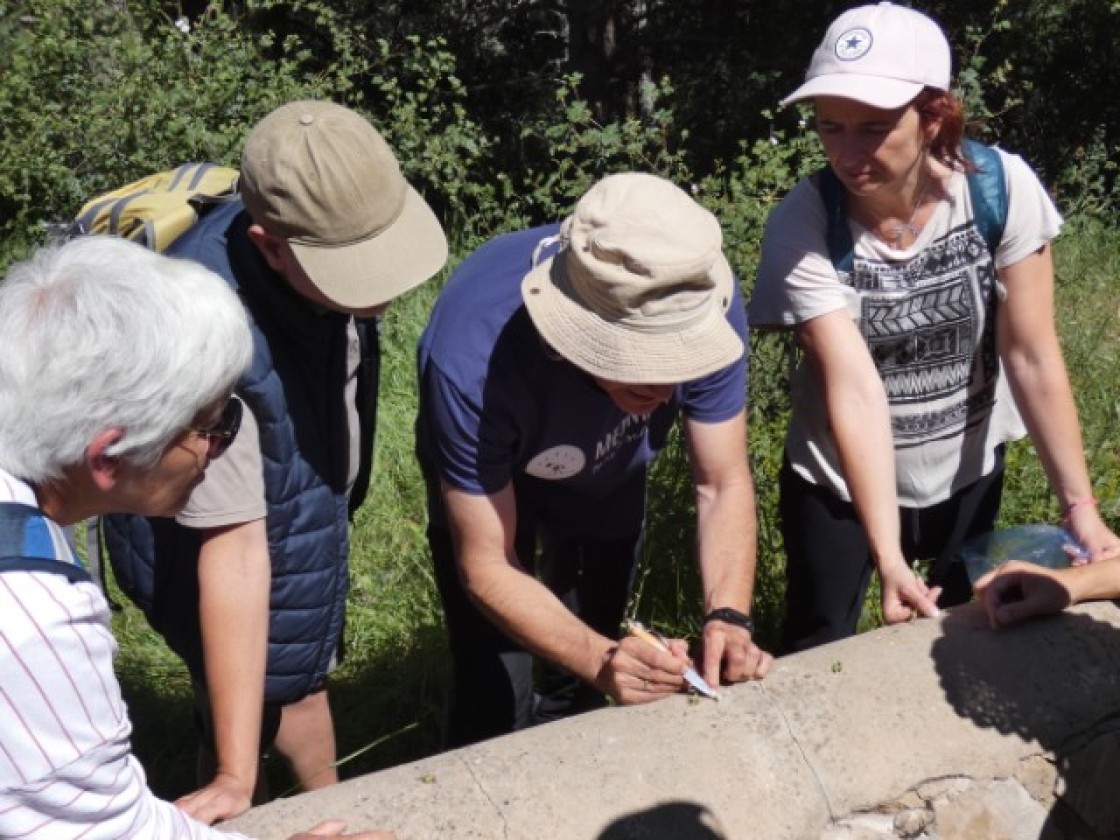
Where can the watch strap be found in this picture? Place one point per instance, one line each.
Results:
(731, 616)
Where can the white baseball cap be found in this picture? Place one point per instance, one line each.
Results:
(882, 55)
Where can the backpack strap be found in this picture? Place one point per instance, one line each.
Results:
(837, 233)
(986, 188)
(75, 574)
(31, 542)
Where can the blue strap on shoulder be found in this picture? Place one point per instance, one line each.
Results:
(987, 189)
(839, 235)
(30, 542)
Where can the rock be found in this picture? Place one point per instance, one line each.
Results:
(940, 788)
(861, 827)
(1001, 810)
(1038, 775)
(911, 823)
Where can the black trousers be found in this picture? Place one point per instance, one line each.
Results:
(498, 687)
(828, 561)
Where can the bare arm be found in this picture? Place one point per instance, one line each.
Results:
(726, 532)
(234, 575)
(859, 416)
(483, 528)
(1017, 591)
(1032, 358)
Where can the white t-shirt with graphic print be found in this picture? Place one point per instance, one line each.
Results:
(927, 315)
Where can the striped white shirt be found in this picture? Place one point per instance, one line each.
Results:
(66, 764)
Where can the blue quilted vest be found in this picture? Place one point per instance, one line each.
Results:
(294, 389)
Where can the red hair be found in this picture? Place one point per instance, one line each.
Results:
(933, 105)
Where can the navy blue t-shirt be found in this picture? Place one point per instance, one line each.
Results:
(497, 405)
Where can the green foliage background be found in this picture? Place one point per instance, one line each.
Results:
(502, 114)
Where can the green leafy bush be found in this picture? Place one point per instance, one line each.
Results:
(100, 94)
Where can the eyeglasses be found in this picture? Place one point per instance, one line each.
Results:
(221, 434)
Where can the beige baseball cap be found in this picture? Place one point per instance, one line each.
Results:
(882, 55)
(321, 177)
(639, 290)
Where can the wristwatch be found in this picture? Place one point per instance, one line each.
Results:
(730, 616)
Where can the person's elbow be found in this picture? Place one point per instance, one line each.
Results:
(482, 579)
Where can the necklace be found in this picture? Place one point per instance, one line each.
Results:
(899, 230)
(909, 227)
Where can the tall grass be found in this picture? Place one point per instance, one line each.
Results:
(389, 694)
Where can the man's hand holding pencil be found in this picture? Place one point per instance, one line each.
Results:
(645, 667)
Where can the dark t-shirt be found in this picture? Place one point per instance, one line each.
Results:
(498, 406)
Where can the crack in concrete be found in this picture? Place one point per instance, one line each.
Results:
(801, 750)
(482, 789)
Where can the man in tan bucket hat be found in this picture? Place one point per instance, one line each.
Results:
(551, 371)
(326, 232)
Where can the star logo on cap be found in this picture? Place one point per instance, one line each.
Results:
(853, 44)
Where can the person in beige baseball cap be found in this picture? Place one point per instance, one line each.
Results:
(248, 584)
(320, 181)
(915, 270)
(552, 368)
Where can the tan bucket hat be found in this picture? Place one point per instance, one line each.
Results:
(639, 289)
(320, 176)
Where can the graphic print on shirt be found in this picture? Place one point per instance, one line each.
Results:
(557, 462)
(566, 460)
(630, 430)
(927, 323)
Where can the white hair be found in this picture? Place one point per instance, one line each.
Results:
(100, 333)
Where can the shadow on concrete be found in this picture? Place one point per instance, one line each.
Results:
(1033, 680)
(668, 821)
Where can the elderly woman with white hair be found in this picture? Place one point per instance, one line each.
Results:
(916, 272)
(117, 366)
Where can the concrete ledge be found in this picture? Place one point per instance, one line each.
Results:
(836, 731)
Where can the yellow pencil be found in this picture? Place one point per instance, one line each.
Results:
(637, 629)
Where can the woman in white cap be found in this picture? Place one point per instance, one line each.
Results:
(916, 272)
